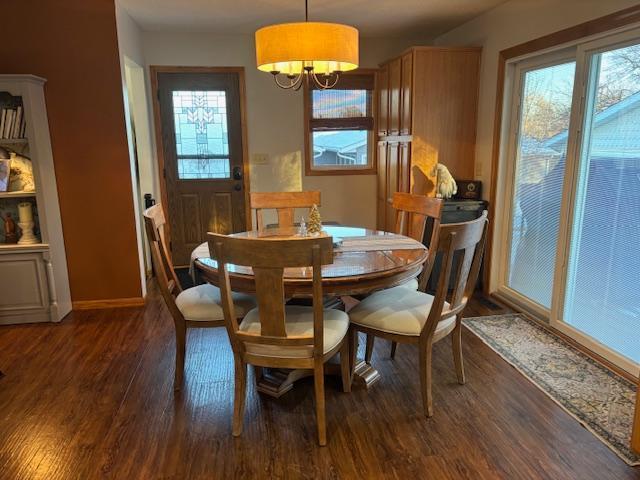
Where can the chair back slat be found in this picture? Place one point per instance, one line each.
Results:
(461, 274)
(412, 213)
(284, 203)
(166, 278)
(271, 306)
(464, 242)
(268, 257)
(154, 221)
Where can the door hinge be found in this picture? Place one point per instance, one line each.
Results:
(164, 173)
(170, 246)
(158, 94)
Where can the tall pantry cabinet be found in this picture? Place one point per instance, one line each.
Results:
(427, 104)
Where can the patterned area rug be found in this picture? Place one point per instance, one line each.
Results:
(600, 400)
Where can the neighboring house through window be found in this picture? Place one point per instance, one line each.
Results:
(339, 127)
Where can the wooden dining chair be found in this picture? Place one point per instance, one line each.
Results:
(274, 334)
(412, 214)
(193, 307)
(284, 203)
(419, 318)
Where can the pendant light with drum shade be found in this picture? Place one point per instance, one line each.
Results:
(307, 51)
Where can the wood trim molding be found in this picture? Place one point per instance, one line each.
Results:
(599, 25)
(108, 303)
(372, 170)
(635, 434)
(154, 70)
(432, 48)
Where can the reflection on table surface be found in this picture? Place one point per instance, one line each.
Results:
(345, 264)
(328, 230)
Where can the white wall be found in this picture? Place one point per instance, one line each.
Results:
(139, 124)
(275, 118)
(510, 24)
(130, 47)
(129, 36)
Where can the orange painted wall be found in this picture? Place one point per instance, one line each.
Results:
(73, 44)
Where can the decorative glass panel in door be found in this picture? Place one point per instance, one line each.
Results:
(602, 296)
(202, 139)
(540, 153)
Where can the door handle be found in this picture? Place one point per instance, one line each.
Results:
(237, 173)
(237, 187)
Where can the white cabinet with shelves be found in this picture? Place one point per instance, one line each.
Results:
(34, 282)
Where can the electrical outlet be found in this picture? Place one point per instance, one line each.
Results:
(260, 159)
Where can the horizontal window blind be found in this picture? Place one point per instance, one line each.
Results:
(603, 284)
(541, 151)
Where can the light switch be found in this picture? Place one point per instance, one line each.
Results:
(260, 159)
(478, 170)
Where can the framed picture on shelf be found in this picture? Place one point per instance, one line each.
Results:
(5, 170)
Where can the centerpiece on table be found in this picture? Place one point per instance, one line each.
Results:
(314, 227)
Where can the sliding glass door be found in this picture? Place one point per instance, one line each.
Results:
(602, 297)
(543, 113)
(571, 230)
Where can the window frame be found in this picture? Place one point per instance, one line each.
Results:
(370, 168)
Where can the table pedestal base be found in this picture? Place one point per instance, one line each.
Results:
(365, 374)
(275, 382)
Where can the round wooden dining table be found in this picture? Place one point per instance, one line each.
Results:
(364, 261)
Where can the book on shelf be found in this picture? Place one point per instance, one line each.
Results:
(17, 123)
(11, 117)
(8, 124)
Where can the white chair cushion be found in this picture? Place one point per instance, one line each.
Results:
(299, 321)
(202, 303)
(397, 310)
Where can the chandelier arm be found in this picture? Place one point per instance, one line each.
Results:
(326, 85)
(299, 80)
(292, 83)
(303, 78)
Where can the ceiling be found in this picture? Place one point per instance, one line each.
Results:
(374, 18)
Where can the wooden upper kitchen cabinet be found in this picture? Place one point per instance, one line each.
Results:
(406, 83)
(395, 77)
(382, 108)
(427, 108)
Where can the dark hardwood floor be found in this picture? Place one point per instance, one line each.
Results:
(92, 398)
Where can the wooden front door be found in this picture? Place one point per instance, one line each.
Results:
(200, 116)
